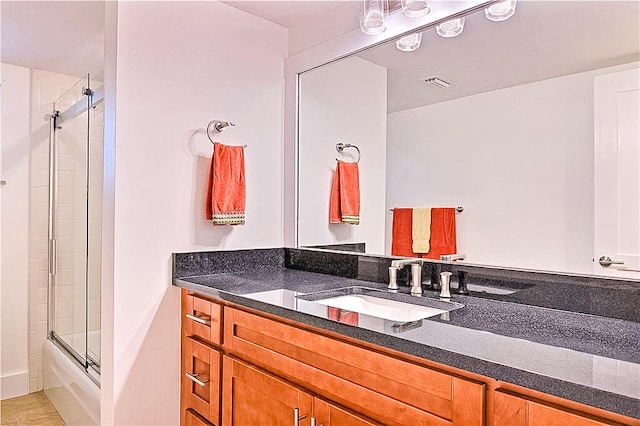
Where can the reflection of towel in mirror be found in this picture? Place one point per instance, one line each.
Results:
(226, 189)
(443, 232)
(401, 233)
(344, 205)
(421, 229)
(342, 315)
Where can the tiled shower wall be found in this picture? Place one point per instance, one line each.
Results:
(47, 87)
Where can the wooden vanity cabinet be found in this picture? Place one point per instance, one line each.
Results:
(256, 369)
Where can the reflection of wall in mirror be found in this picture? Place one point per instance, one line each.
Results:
(345, 102)
(520, 160)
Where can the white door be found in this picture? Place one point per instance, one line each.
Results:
(617, 173)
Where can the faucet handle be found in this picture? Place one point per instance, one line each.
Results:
(462, 283)
(393, 279)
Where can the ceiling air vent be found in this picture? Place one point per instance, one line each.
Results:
(437, 81)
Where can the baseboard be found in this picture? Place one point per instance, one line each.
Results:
(13, 385)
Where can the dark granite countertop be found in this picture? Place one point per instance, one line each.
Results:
(586, 358)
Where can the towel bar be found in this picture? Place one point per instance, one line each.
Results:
(458, 209)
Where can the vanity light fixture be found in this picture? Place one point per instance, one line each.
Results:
(500, 11)
(410, 42)
(415, 8)
(372, 14)
(450, 28)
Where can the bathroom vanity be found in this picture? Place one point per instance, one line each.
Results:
(258, 349)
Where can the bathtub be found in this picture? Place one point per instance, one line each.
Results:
(69, 388)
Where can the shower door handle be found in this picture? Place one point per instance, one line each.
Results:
(53, 257)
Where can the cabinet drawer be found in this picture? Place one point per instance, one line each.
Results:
(202, 318)
(201, 380)
(192, 418)
(383, 388)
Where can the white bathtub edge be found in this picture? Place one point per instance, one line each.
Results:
(74, 395)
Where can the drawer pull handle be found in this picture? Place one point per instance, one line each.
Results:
(313, 421)
(194, 378)
(297, 417)
(203, 321)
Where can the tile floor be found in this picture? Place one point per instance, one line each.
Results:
(29, 410)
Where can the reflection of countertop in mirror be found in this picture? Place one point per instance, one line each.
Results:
(585, 358)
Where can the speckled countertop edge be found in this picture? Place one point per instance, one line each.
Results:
(609, 401)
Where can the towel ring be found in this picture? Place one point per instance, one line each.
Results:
(217, 126)
(341, 146)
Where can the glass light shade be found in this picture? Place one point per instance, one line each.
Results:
(415, 8)
(500, 11)
(450, 28)
(372, 16)
(409, 43)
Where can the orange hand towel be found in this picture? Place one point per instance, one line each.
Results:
(401, 233)
(443, 232)
(226, 190)
(344, 206)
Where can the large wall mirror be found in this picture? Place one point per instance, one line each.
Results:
(530, 134)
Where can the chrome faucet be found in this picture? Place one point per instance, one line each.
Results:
(452, 257)
(416, 275)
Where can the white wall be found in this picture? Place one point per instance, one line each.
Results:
(179, 65)
(14, 229)
(345, 102)
(520, 161)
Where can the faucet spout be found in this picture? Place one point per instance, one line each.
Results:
(416, 275)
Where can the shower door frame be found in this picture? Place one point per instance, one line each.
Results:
(90, 100)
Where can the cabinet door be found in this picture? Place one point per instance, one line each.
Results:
(201, 380)
(512, 410)
(253, 397)
(542, 415)
(327, 414)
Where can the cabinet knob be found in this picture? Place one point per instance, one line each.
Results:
(606, 261)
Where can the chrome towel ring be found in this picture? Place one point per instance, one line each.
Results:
(341, 146)
(217, 126)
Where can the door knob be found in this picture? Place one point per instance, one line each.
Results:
(605, 261)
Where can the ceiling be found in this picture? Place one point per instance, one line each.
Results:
(544, 39)
(287, 14)
(68, 36)
(60, 36)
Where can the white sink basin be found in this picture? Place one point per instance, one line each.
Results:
(380, 304)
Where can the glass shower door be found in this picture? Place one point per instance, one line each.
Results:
(74, 225)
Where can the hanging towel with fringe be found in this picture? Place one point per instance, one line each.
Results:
(226, 188)
(344, 205)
